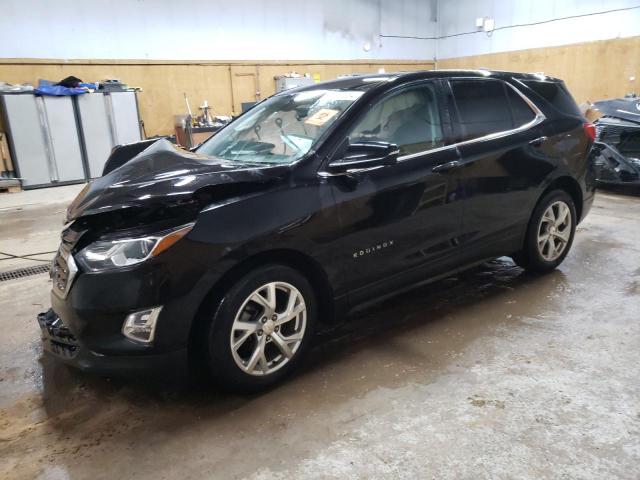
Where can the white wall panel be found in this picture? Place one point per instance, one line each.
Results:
(459, 16)
(216, 29)
(297, 29)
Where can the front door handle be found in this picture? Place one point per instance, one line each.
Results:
(447, 167)
(538, 141)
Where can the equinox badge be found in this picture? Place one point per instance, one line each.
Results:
(375, 248)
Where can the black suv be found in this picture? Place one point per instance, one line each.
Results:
(315, 201)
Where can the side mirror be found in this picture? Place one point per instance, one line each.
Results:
(365, 155)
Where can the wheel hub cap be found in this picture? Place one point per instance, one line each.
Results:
(554, 231)
(268, 329)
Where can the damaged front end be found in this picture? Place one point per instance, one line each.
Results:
(617, 147)
(145, 204)
(165, 182)
(117, 269)
(612, 167)
(56, 336)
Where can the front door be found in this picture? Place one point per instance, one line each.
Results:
(401, 221)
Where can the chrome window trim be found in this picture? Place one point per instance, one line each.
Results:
(409, 156)
(347, 172)
(539, 118)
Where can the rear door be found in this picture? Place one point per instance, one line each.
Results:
(400, 221)
(502, 165)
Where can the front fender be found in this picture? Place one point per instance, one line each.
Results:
(302, 218)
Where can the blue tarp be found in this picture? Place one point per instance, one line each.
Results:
(58, 90)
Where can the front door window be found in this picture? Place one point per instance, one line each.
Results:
(409, 119)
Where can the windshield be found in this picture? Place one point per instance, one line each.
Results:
(281, 129)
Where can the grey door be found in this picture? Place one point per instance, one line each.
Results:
(107, 119)
(125, 117)
(62, 131)
(28, 145)
(96, 129)
(44, 139)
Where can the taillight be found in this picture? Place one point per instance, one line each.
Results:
(590, 130)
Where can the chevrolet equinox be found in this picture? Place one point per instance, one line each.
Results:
(316, 201)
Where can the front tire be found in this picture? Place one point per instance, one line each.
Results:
(261, 329)
(550, 233)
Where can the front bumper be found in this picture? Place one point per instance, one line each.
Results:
(96, 304)
(84, 326)
(59, 342)
(619, 183)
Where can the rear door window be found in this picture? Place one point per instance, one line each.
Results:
(488, 106)
(482, 106)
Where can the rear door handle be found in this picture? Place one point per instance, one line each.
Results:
(447, 167)
(538, 141)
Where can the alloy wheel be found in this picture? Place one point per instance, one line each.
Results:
(268, 328)
(554, 231)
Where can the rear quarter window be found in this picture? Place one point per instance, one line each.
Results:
(556, 94)
(521, 111)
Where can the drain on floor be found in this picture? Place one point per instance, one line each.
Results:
(24, 272)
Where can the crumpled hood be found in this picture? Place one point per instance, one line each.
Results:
(624, 108)
(162, 174)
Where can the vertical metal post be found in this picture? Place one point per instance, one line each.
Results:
(113, 129)
(48, 141)
(83, 146)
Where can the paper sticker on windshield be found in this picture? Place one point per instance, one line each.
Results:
(321, 117)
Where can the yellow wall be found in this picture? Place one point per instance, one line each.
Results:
(223, 84)
(592, 71)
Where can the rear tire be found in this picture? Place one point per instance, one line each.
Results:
(550, 233)
(261, 329)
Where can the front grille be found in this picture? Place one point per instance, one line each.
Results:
(610, 133)
(60, 270)
(24, 272)
(64, 267)
(63, 270)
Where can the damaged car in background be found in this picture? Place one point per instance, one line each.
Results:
(315, 202)
(617, 147)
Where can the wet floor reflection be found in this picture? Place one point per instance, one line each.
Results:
(65, 424)
(410, 338)
(406, 339)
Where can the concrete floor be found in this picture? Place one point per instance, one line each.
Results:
(31, 222)
(490, 374)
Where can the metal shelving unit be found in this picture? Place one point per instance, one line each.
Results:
(64, 140)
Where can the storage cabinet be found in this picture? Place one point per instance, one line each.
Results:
(106, 120)
(43, 139)
(55, 140)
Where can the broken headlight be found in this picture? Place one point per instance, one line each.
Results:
(112, 254)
